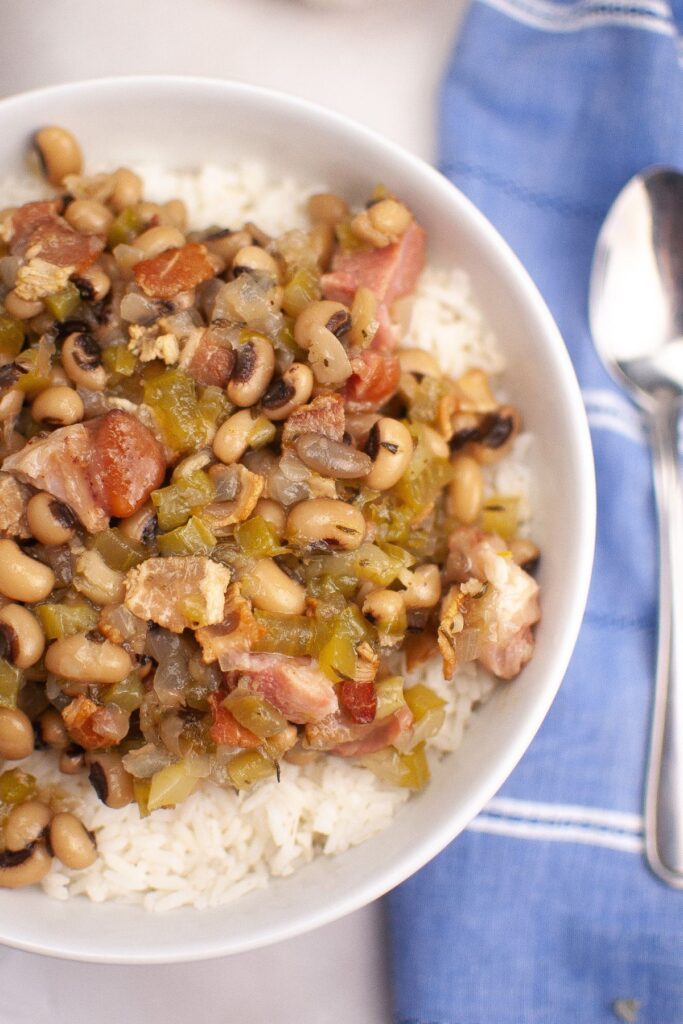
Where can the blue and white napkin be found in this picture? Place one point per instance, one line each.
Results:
(544, 911)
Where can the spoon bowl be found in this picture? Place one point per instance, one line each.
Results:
(636, 317)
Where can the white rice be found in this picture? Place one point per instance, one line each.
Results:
(219, 845)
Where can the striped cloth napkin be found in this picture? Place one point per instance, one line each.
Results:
(543, 911)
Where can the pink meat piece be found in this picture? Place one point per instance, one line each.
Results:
(510, 607)
(37, 231)
(295, 686)
(340, 735)
(58, 464)
(389, 272)
(324, 415)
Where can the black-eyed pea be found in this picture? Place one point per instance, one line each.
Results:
(19, 868)
(23, 578)
(109, 778)
(89, 217)
(59, 153)
(424, 589)
(252, 373)
(272, 590)
(50, 521)
(22, 640)
(466, 489)
(58, 406)
(71, 841)
(390, 447)
(16, 735)
(25, 823)
(287, 392)
(85, 661)
(327, 522)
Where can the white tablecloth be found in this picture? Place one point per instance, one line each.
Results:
(380, 65)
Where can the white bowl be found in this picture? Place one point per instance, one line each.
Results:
(183, 122)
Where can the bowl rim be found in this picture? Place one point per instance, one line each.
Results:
(426, 847)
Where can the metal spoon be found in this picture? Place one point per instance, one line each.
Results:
(636, 316)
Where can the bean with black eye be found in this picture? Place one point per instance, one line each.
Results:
(84, 661)
(71, 760)
(23, 578)
(59, 153)
(71, 841)
(327, 522)
(254, 368)
(88, 216)
(58, 406)
(24, 867)
(16, 734)
(109, 779)
(252, 259)
(25, 824)
(93, 284)
(142, 525)
(51, 729)
(22, 640)
(391, 447)
(82, 361)
(50, 520)
(288, 392)
(333, 316)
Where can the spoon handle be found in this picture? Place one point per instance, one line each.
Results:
(664, 787)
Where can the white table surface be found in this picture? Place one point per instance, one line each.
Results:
(380, 64)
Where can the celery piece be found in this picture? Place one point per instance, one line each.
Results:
(420, 699)
(171, 785)
(119, 359)
(124, 228)
(262, 432)
(63, 303)
(60, 620)
(285, 634)
(176, 503)
(337, 659)
(141, 788)
(258, 538)
(10, 681)
(255, 713)
(127, 694)
(425, 477)
(390, 696)
(11, 335)
(118, 551)
(424, 403)
(193, 538)
(172, 396)
(37, 361)
(500, 515)
(380, 567)
(348, 241)
(248, 768)
(213, 405)
(16, 786)
(409, 771)
(302, 288)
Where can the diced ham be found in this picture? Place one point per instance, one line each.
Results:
(208, 360)
(237, 632)
(39, 232)
(324, 415)
(508, 606)
(375, 379)
(295, 686)
(225, 729)
(93, 725)
(59, 463)
(127, 462)
(173, 271)
(178, 592)
(13, 500)
(390, 272)
(107, 466)
(339, 734)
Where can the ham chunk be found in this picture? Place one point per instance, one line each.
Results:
(107, 466)
(178, 592)
(58, 463)
(13, 500)
(324, 415)
(295, 686)
(499, 600)
(389, 272)
(38, 232)
(93, 725)
(208, 359)
(225, 729)
(339, 734)
(238, 630)
(173, 271)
